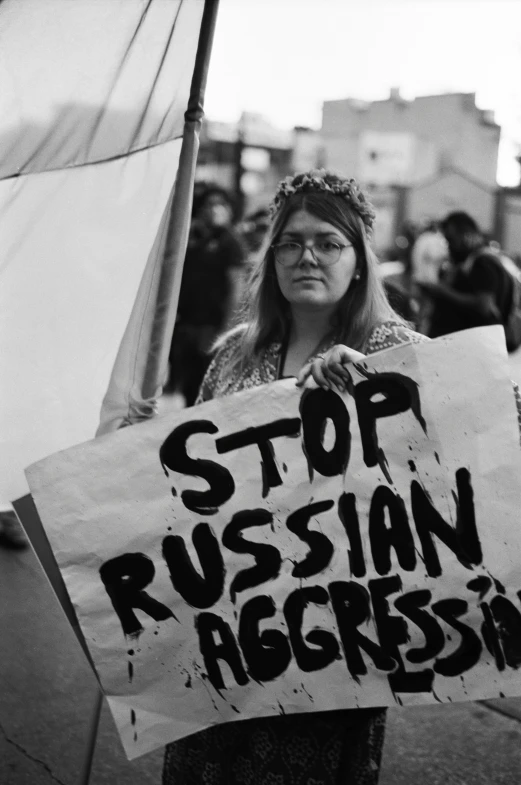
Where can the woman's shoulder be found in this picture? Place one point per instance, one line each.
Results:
(224, 351)
(230, 371)
(392, 333)
(229, 342)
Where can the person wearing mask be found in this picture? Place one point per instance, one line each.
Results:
(477, 290)
(209, 290)
(315, 303)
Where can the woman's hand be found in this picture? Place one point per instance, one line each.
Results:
(328, 370)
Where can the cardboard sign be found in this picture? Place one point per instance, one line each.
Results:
(287, 551)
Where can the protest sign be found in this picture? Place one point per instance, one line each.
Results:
(285, 551)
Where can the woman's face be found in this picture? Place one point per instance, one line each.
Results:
(215, 211)
(308, 283)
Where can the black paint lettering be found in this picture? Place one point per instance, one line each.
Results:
(321, 547)
(325, 645)
(207, 624)
(410, 605)
(173, 456)
(482, 584)
(469, 651)
(125, 579)
(490, 636)
(352, 607)
(499, 586)
(400, 393)
(316, 408)
(267, 557)
(348, 516)
(508, 622)
(199, 591)
(267, 653)
(397, 536)
(261, 436)
(463, 539)
(392, 631)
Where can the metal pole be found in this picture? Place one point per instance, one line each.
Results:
(177, 236)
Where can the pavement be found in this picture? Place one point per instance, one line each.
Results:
(48, 692)
(47, 697)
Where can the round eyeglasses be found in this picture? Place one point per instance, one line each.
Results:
(325, 252)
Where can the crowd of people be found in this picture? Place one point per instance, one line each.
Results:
(453, 278)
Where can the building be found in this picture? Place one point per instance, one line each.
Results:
(508, 221)
(420, 159)
(250, 157)
(400, 142)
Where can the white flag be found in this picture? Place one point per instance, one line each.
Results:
(92, 103)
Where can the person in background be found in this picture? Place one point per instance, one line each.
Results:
(255, 228)
(315, 304)
(477, 291)
(209, 289)
(253, 232)
(429, 254)
(398, 282)
(404, 244)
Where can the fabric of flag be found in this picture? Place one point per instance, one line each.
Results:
(92, 101)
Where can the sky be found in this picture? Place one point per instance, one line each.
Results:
(283, 58)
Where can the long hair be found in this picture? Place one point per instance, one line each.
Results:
(266, 317)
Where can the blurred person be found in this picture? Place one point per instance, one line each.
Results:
(429, 254)
(400, 297)
(253, 229)
(477, 291)
(256, 226)
(398, 282)
(316, 303)
(404, 244)
(209, 289)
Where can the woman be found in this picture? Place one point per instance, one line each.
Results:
(316, 304)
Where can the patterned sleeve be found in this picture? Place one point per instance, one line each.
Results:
(214, 373)
(391, 334)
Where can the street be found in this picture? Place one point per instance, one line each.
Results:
(48, 692)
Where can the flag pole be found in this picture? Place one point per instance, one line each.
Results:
(171, 267)
(178, 226)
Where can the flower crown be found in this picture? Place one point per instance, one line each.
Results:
(322, 180)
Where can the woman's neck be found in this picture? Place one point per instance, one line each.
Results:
(308, 330)
(308, 326)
